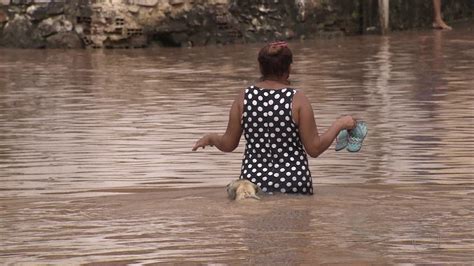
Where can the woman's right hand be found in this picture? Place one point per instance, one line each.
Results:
(203, 142)
(347, 122)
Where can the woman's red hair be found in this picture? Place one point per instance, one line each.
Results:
(275, 59)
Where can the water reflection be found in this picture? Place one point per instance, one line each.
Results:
(76, 120)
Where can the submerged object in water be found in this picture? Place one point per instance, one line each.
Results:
(242, 189)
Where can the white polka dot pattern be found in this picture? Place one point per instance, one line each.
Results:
(274, 156)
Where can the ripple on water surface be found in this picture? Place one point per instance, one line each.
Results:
(78, 124)
(73, 121)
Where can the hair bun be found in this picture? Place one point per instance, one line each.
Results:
(275, 47)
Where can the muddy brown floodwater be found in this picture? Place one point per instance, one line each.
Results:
(96, 164)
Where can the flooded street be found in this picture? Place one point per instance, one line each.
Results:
(96, 163)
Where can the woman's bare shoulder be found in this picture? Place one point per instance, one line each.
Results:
(300, 97)
(239, 98)
(241, 92)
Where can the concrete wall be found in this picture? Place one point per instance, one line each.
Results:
(140, 23)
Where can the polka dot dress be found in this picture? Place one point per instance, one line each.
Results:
(274, 157)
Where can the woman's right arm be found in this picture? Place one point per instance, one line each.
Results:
(314, 143)
(228, 141)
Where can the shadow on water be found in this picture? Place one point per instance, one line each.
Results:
(96, 166)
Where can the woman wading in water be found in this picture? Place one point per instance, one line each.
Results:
(279, 128)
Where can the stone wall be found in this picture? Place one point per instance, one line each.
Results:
(140, 23)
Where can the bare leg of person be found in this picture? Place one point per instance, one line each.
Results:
(438, 22)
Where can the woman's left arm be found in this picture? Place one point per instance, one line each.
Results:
(230, 139)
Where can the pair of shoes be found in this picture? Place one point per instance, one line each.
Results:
(342, 139)
(357, 136)
(352, 139)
